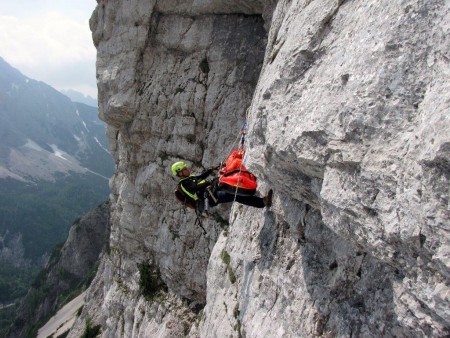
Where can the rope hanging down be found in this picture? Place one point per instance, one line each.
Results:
(241, 138)
(243, 133)
(241, 147)
(234, 177)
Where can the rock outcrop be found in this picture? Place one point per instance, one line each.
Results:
(348, 110)
(69, 271)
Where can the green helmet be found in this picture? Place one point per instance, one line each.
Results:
(177, 167)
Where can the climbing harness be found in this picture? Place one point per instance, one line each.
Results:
(233, 178)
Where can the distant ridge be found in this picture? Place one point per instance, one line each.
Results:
(76, 96)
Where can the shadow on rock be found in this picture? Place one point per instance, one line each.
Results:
(352, 292)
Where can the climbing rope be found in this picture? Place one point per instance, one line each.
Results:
(241, 138)
(241, 147)
(231, 148)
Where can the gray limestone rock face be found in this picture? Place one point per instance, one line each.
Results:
(351, 118)
(348, 110)
(173, 86)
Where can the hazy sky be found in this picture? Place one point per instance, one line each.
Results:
(50, 41)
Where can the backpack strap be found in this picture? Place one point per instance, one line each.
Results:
(190, 200)
(193, 196)
(185, 199)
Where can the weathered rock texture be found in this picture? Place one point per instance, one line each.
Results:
(348, 110)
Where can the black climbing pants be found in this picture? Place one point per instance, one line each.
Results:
(224, 197)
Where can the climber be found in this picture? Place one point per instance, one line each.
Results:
(194, 189)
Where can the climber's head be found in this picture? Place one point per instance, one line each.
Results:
(179, 169)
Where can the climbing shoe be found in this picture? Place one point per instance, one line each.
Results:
(268, 199)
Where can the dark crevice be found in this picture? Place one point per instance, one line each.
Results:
(325, 26)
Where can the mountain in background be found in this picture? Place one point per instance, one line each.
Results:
(54, 167)
(44, 133)
(80, 97)
(68, 272)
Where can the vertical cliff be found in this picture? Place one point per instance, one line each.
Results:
(348, 111)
